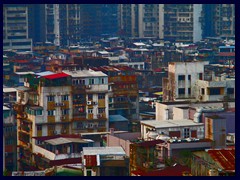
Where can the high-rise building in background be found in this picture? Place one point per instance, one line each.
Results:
(69, 23)
(15, 27)
(141, 20)
(182, 22)
(98, 19)
(37, 22)
(218, 20)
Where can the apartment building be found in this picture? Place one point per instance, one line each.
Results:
(221, 88)
(15, 27)
(105, 161)
(9, 139)
(224, 20)
(69, 23)
(98, 20)
(181, 80)
(182, 22)
(52, 23)
(90, 100)
(218, 20)
(141, 20)
(123, 91)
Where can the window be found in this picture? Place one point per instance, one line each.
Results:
(101, 124)
(64, 126)
(75, 81)
(51, 113)
(82, 81)
(119, 99)
(101, 96)
(51, 127)
(181, 91)
(186, 132)
(91, 81)
(101, 110)
(65, 98)
(230, 90)
(189, 77)
(90, 97)
(65, 111)
(50, 98)
(39, 127)
(200, 76)
(38, 112)
(202, 91)
(181, 77)
(189, 91)
(9, 141)
(90, 111)
(101, 80)
(79, 125)
(214, 91)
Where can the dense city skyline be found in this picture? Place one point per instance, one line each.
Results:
(119, 89)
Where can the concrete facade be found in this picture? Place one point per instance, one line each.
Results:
(15, 28)
(215, 90)
(182, 77)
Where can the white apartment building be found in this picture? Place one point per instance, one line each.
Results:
(217, 89)
(181, 80)
(15, 27)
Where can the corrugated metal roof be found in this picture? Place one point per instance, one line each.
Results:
(7, 90)
(24, 73)
(177, 170)
(224, 157)
(116, 118)
(62, 140)
(46, 73)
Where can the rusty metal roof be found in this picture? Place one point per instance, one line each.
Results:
(224, 157)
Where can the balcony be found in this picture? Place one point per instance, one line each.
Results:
(24, 128)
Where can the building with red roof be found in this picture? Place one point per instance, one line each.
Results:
(214, 162)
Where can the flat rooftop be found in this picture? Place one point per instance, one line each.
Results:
(85, 73)
(8, 90)
(103, 151)
(170, 123)
(64, 140)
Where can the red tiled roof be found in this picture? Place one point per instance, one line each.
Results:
(226, 54)
(225, 157)
(168, 171)
(56, 76)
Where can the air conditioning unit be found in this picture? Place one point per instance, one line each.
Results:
(89, 102)
(88, 86)
(62, 117)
